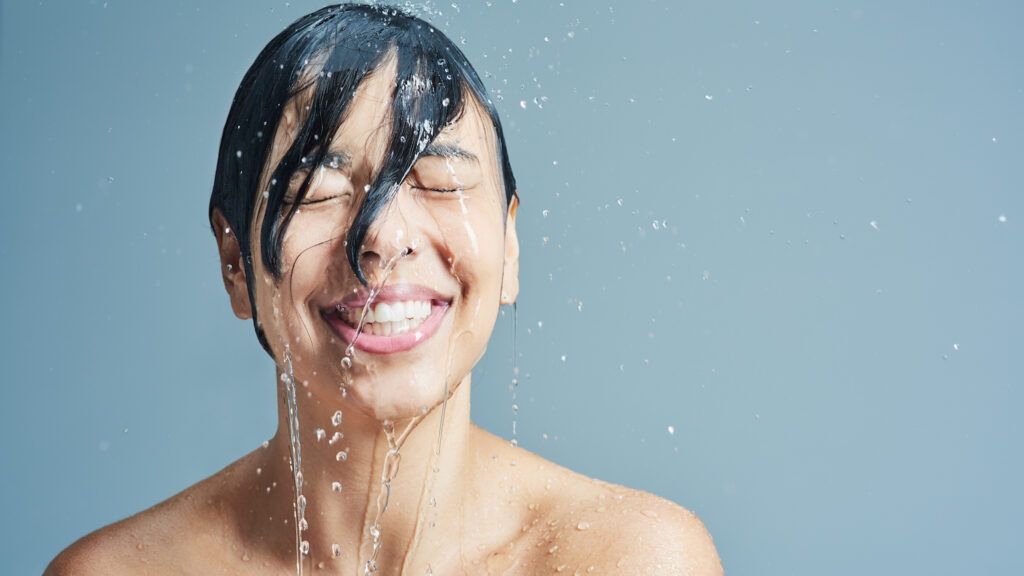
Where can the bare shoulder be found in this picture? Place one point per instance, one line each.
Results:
(154, 541)
(579, 524)
(653, 535)
(112, 549)
(626, 531)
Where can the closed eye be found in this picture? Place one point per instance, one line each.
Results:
(436, 189)
(306, 201)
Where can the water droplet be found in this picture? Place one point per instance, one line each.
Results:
(303, 525)
(709, 97)
(672, 430)
(522, 104)
(445, 102)
(336, 419)
(341, 456)
(335, 438)
(335, 550)
(336, 486)
(286, 379)
(238, 153)
(1002, 218)
(304, 547)
(583, 526)
(346, 362)
(320, 434)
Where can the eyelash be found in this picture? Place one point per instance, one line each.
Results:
(435, 189)
(441, 190)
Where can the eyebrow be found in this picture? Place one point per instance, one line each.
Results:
(449, 150)
(436, 149)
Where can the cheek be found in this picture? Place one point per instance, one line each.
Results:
(308, 254)
(472, 226)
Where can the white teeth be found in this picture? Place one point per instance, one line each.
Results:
(382, 312)
(389, 318)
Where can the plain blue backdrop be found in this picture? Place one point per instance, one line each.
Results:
(791, 233)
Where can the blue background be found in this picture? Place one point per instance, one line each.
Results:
(699, 182)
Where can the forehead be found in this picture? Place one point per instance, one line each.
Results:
(366, 129)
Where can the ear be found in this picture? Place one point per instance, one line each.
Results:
(510, 272)
(232, 270)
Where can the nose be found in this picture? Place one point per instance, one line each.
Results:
(388, 241)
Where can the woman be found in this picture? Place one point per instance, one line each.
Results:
(364, 209)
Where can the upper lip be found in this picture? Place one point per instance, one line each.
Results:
(391, 293)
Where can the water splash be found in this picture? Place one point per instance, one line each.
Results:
(515, 372)
(295, 446)
(346, 362)
(392, 457)
(389, 471)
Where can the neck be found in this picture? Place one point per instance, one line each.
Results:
(361, 499)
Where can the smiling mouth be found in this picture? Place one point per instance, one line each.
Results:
(401, 318)
(390, 318)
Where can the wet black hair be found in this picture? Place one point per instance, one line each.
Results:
(331, 51)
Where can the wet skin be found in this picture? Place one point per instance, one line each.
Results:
(471, 504)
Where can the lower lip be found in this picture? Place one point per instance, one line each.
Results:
(390, 344)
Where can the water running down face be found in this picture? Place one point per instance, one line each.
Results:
(439, 260)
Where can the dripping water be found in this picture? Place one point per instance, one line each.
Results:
(393, 455)
(444, 408)
(515, 372)
(295, 448)
(389, 471)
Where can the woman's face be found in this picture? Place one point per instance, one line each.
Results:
(463, 263)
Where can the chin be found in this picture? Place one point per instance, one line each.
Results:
(396, 403)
